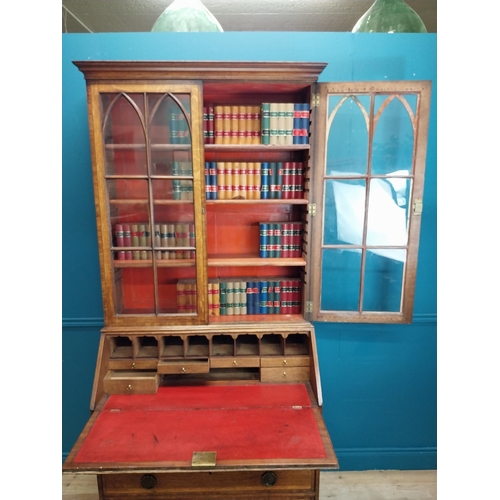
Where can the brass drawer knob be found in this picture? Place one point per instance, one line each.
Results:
(133, 366)
(129, 387)
(148, 481)
(235, 363)
(268, 479)
(183, 370)
(284, 362)
(284, 374)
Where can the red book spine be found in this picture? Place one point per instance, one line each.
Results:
(296, 240)
(287, 187)
(286, 240)
(285, 297)
(119, 241)
(210, 300)
(296, 297)
(127, 241)
(299, 187)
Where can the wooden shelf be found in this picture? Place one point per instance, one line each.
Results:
(301, 201)
(253, 260)
(159, 263)
(154, 147)
(256, 318)
(146, 202)
(257, 147)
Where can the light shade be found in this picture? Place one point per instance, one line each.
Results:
(187, 15)
(390, 16)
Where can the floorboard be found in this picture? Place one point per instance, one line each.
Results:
(363, 485)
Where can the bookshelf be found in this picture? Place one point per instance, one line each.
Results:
(213, 227)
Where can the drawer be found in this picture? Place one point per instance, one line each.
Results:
(285, 374)
(178, 367)
(136, 364)
(256, 483)
(235, 362)
(275, 361)
(131, 382)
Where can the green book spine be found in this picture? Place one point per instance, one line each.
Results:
(243, 297)
(176, 185)
(270, 298)
(277, 297)
(266, 123)
(223, 303)
(273, 123)
(236, 300)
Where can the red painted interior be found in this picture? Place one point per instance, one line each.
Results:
(239, 422)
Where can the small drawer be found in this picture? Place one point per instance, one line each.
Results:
(235, 362)
(285, 374)
(284, 361)
(179, 367)
(199, 484)
(131, 382)
(137, 364)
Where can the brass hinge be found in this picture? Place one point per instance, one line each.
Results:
(311, 209)
(418, 206)
(315, 101)
(309, 306)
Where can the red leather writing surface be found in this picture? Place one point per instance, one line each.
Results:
(238, 422)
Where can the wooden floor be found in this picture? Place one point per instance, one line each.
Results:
(366, 485)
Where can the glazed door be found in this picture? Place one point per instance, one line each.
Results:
(148, 150)
(371, 141)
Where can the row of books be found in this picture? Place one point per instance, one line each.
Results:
(182, 189)
(244, 296)
(285, 123)
(171, 236)
(254, 180)
(280, 240)
(270, 123)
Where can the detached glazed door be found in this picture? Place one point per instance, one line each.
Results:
(147, 165)
(369, 179)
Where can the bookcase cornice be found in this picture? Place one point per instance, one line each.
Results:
(306, 72)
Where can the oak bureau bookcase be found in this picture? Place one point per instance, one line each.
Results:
(236, 203)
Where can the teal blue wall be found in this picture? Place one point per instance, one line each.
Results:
(379, 381)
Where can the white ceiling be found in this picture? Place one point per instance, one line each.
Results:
(111, 16)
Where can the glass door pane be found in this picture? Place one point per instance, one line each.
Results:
(149, 179)
(172, 184)
(369, 175)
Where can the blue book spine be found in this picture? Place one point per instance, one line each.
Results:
(296, 123)
(255, 297)
(279, 180)
(213, 180)
(262, 297)
(207, 181)
(264, 181)
(278, 240)
(264, 240)
(273, 240)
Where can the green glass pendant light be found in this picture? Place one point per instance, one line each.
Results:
(390, 16)
(187, 15)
